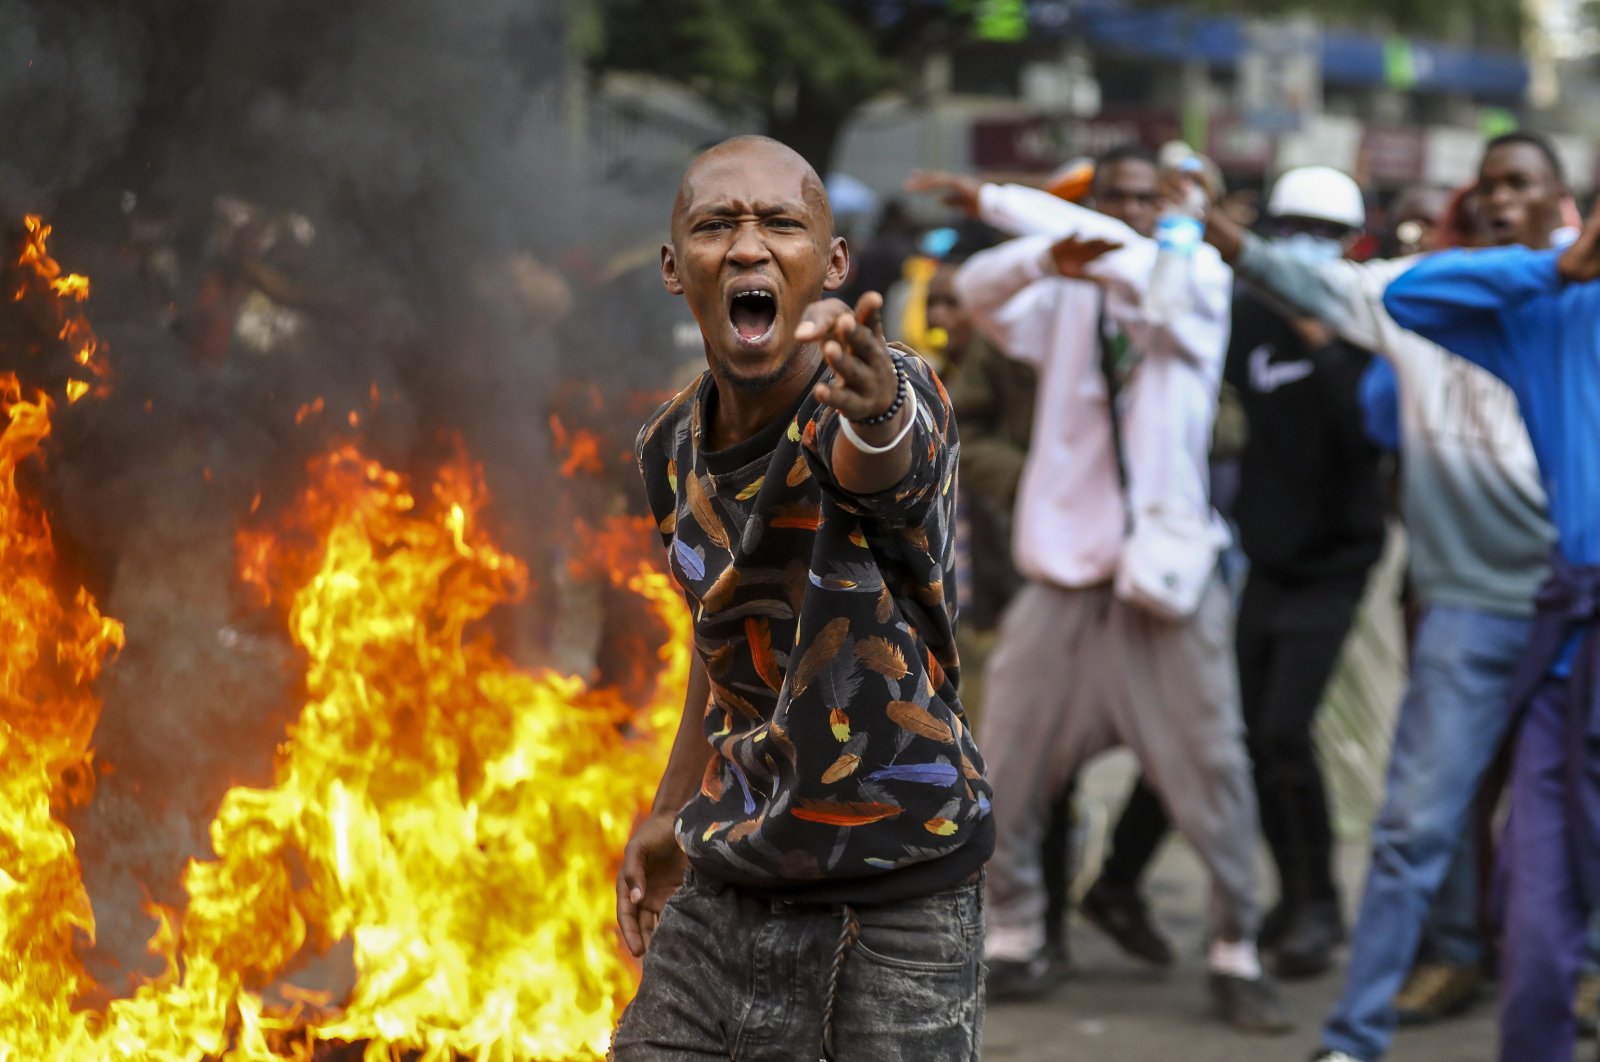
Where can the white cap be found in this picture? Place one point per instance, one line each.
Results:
(1320, 192)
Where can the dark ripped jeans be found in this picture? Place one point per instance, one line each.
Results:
(730, 975)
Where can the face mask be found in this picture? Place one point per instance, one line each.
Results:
(1309, 248)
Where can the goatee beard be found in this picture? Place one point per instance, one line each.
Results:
(763, 382)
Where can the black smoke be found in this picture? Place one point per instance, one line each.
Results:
(277, 203)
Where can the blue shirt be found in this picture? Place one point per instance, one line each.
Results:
(1508, 310)
(1380, 405)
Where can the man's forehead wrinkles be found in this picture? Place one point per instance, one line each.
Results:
(732, 207)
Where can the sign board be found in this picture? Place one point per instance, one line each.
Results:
(1391, 156)
(1040, 143)
(1280, 75)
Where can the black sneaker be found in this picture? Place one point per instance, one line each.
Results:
(1058, 950)
(1306, 947)
(1012, 980)
(1251, 1005)
(1121, 914)
(1273, 925)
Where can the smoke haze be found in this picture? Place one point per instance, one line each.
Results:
(358, 202)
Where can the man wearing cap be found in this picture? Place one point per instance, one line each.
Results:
(1479, 542)
(1311, 521)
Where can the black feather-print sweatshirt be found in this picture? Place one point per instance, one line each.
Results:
(843, 769)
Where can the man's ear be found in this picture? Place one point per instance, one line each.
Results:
(838, 265)
(669, 270)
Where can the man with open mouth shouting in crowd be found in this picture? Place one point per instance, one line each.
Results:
(807, 882)
(1532, 318)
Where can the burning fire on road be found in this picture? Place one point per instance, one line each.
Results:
(448, 818)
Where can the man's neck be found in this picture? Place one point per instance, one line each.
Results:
(741, 412)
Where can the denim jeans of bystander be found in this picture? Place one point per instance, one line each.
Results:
(1452, 721)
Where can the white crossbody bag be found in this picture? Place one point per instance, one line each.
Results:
(1168, 557)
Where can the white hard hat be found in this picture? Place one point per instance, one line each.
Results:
(1320, 192)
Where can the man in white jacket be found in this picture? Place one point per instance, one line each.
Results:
(1079, 669)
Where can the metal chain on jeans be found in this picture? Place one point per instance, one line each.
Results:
(847, 940)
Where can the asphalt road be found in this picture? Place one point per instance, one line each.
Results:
(1113, 1009)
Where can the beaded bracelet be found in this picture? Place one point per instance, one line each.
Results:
(902, 388)
(867, 448)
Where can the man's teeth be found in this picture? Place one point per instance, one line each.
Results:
(748, 294)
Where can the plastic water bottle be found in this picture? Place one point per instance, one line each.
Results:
(1179, 232)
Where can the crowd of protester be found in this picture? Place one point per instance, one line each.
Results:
(1178, 466)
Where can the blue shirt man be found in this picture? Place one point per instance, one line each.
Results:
(1533, 319)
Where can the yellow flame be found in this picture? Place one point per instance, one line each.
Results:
(44, 273)
(455, 818)
(51, 650)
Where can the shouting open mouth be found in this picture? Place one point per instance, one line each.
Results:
(754, 315)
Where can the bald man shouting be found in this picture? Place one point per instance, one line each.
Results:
(807, 883)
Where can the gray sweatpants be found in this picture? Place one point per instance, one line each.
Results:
(1078, 672)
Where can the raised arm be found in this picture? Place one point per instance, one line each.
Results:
(866, 382)
(1018, 210)
(899, 469)
(1023, 211)
(1456, 298)
(1347, 296)
(1001, 288)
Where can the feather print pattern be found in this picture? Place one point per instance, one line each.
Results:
(838, 745)
(803, 517)
(704, 514)
(822, 650)
(690, 560)
(883, 656)
(841, 768)
(799, 472)
(760, 636)
(843, 813)
(721, 591)
(919, 721)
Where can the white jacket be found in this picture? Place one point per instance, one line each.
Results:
(1071, 515)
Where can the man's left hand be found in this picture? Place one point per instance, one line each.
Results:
(864, 380)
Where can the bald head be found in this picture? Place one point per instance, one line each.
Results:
(753, 153)
(752, 247)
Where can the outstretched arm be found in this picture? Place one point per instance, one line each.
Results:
(1456, 298)
(1018, 210)
(865, 384)
(1347, 296)
(1000, 288)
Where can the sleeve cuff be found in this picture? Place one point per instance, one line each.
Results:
(1252, 255)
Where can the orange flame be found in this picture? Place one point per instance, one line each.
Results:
(579, 449)
(52, 646)
(456, 819)
(309, 409)
(67, 289)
